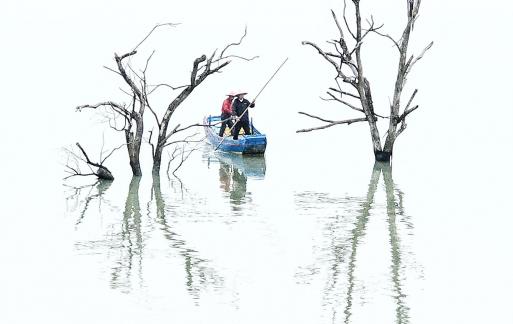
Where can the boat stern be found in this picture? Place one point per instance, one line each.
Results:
(254, 144)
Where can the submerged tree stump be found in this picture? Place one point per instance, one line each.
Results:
(104, 173)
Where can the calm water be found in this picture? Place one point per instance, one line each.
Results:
(262, 240)
(232, 247)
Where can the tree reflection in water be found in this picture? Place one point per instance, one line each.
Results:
(346, 236)
(130, 245)
(74, 196)
(199, 275)
(393, 210)
(124, 241)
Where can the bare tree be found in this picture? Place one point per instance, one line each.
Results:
(352, 84)
(132, 114)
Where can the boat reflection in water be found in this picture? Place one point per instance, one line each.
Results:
(234, 171)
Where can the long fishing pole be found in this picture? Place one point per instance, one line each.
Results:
(258, 94)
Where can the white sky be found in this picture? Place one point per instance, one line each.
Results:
(53, 53)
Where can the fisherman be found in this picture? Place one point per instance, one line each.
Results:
(226, 113)
(239, 109)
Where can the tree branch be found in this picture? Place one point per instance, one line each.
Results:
(115, 106)
(407, 112)
(345, 21)
(323, 54)
(184, 158)
(340, 30)
(396, 44)
(340, 122)
(421, 55)
(187, 140)
(344, 102)
(111, 152)
(316, 117)
(234, 44)
(125, 76)
(194, 72)
(156, 86)
(111, 70)
(345, 93)
(411, 99)
(152, 30)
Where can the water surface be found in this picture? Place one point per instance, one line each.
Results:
(232, 246)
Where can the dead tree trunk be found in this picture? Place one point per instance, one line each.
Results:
(350, 72)
(133, 137)
(134, 140)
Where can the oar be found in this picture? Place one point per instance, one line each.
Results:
(258, 94)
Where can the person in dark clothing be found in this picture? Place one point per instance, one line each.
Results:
(239, 109)
(226, 113)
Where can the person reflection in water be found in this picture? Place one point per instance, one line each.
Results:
(239, 185)
(224, 176)
(234, 181)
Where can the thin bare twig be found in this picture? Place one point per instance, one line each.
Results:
(152, 30)
(156, 86)
(111, 70)
(234, 44)
(184, 158)
(112, 152)
(344, 102)
(346, 22)
(396, 44)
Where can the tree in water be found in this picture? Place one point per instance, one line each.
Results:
(348, 65)
(129, 117)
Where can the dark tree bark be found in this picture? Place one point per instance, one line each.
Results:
(350, 72)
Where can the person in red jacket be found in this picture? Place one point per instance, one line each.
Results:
(226, 113)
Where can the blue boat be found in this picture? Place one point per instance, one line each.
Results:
(246, 144)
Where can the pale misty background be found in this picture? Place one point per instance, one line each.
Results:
(453, 160)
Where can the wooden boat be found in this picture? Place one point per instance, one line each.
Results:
(246, 144)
